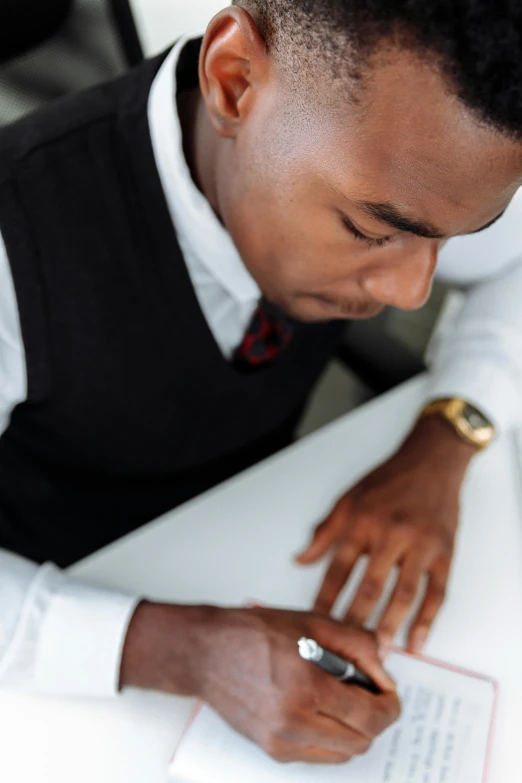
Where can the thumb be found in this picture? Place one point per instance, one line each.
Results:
(361, 648)
(327, 533)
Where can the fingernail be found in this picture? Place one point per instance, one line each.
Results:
(384, 648)
(418, 642)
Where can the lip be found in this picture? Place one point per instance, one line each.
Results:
(357, 314)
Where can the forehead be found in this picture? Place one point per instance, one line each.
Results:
(410, 141)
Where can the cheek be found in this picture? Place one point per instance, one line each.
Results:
(291, 245)
(286, 234)
(268, 228)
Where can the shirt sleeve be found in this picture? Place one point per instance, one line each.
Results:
(59, 636)
(480, 358)
(13, 376)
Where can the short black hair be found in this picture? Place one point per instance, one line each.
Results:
(477, 44)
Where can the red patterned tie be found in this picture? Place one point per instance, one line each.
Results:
(270, 332)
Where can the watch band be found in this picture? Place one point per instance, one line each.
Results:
(453, 411)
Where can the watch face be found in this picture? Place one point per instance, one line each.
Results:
(475, 418)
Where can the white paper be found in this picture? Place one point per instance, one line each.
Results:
(442, 737)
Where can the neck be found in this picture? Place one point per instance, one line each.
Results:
(200, 145)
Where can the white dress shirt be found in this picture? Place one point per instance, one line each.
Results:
(60, 636)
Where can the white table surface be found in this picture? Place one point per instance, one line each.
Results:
(236, 542)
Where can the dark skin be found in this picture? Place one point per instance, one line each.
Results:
(405, 514)
(309, 188)
(244, 663)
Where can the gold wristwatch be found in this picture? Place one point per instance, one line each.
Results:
(469, 423)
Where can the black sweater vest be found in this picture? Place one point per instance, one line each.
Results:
(131, 407)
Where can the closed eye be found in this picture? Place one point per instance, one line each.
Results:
(370, 241)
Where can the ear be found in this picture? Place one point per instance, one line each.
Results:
(233, 66)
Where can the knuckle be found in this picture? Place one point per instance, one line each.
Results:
(370, 590)
(437, 596)
(368, 519)
(285, 722)
(406, 594)
(435, 541)
(402, 520)
(411, 533)
(345, 554)
(438, 539)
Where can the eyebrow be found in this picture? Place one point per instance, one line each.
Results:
(392, 216)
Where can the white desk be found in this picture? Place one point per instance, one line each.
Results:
(237, 542)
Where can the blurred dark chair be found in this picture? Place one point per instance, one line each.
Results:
(24, 24)
(50, 48)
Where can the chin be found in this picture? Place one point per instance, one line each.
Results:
(313, 308)
(304, 312)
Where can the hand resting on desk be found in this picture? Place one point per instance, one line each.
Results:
(244, 663)
(404, 514)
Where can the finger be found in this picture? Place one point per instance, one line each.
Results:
(327, 533)
(402, 598)
(339, 571)
(310, 755)
(374, 581)
(358, 646)
(433, 601)
(364, 712)
(329, 734)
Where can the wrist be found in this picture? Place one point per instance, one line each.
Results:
(434, 438)
(164, 648)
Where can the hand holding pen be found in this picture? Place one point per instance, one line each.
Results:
(245, 665)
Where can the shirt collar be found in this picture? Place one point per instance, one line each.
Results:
(196, 224)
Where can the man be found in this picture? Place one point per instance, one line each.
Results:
(180, 271)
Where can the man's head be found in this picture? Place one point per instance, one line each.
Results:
(351, 138)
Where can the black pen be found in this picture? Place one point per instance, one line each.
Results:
(330, 663)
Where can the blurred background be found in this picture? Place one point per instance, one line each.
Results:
(161, 21)
(50, 48)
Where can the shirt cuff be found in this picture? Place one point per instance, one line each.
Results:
(81, 641)
(485, 385)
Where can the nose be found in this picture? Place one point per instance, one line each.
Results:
(406, 283)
